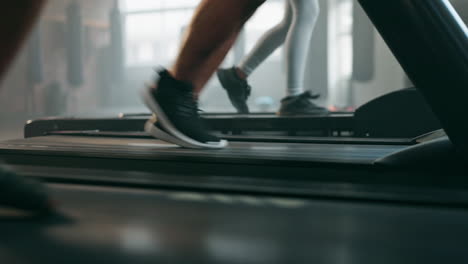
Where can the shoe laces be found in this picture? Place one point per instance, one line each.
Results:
(189, 106)
(310, 95)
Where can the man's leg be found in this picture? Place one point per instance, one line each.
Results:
(234, 80)
(212, 33)
(173, 98)
(16, 20)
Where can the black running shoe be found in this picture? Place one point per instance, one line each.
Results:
(301, 105)
(238, 90)
(178, 120)
(17, 192)
(154, 128)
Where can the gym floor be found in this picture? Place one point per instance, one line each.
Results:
(121, 225)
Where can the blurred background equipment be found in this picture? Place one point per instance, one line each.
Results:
(74, 42)
(108, 49)
(117, 50)
(35, 68)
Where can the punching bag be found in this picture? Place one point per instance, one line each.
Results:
(363, 46)
(35, 67)
(74, 45)
(116, 45)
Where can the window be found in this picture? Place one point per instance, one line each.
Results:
(267, 16)
(154, 29)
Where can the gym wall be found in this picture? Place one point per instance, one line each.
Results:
(37, 84)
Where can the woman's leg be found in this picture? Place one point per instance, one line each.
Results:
(305, 14)
(267, 44)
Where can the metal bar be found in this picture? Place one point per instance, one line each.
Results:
(431, 43)
(158, 10)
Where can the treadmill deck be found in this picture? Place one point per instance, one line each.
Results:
(247, 152)
(342, 171)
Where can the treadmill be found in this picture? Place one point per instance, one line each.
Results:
(377, 121)
(129, 198)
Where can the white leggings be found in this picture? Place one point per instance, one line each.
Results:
(295, 31)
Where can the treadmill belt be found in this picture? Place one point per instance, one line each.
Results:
(112, 225)
(249, 152)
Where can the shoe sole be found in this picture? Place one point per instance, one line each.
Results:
(303, 114)
(154, 131)
(174, 135)
(222, 79)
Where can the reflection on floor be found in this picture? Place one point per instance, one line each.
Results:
(119, 226)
